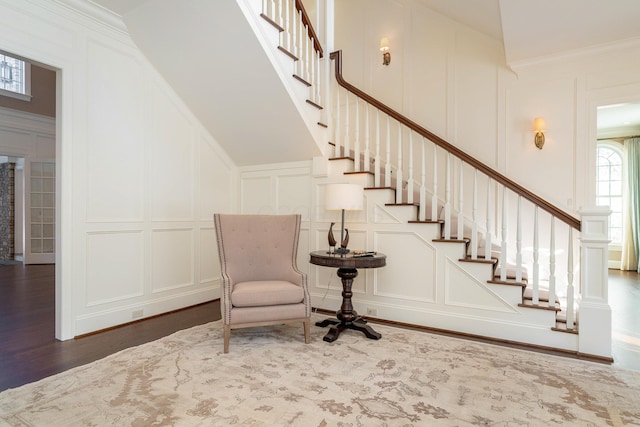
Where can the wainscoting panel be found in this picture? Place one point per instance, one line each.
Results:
(216, 181)
(412, 276)
(293, 193)
(171, 259)
(208, 255)
(172, 163)
(463, 290)
(255, 195)
(113, 140)
(115, 267)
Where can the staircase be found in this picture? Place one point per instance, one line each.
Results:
(457, 283)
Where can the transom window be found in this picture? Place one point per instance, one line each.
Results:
(609, 186)
(15, 78)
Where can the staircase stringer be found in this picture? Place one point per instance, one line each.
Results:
(303, 94)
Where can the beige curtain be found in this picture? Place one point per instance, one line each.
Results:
(629, 259)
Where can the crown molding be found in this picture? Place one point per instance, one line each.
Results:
(600, 49)
(96, 12)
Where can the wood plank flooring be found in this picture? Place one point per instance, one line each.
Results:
(29, 350)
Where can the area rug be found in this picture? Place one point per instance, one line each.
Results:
(271, 378)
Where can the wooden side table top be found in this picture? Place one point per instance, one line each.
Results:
(349, 260)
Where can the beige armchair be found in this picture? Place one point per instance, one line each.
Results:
(261, 284)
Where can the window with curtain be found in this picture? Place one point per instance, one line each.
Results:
(609, 186)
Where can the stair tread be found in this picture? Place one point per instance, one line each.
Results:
(529, 304)
(301, 80)
(479, 260)
(563, 328)
(509, 281)
(318, 106)
(357, 172)
(379, 188)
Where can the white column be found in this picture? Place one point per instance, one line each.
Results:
(595, 313)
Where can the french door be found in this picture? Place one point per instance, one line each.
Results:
(40, 211)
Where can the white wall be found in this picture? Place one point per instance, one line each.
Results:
(138, 177)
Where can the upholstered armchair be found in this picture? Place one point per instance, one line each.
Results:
(261, 284)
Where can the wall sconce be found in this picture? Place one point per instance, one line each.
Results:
(539, 126)
(384, 48)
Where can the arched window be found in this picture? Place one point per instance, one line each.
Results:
(609, 185)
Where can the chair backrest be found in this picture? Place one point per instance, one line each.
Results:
(258, 247)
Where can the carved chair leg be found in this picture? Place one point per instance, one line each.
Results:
(227, 335)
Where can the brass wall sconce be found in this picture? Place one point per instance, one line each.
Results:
(384, 48)
(539, 126)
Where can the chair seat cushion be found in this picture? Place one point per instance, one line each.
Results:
(266, 292)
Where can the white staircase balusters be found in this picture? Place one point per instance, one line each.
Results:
(422, 212)
(296, 37)
(434, 195)
(460, 231)
(387, 165)
(399, 168)
(356, 141)
(376, 163)
(503, 246)
(336, 129)
(280, 16)
(410, 182)
(519, 241)
(287, 33)
(367, 148)
(474, 217)
(552, 263)
(300, 53)
(570, 290)
(487, 236)
(536, 264)
(318, 78)
(345, 142)
(447, 199)
(312, 71)
(307, 47)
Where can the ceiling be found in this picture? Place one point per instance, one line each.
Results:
(531, 30)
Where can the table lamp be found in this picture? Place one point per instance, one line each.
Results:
(342, 197)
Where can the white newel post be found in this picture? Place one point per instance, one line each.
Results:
(595, 312)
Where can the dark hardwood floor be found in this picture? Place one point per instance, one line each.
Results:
(29, 350)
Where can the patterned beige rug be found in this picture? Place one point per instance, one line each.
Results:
(271, 378)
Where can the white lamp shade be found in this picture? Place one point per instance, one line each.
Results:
(539, 124)
(343, 196)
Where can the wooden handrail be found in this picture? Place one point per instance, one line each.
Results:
(312, 32)
(497, 176)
